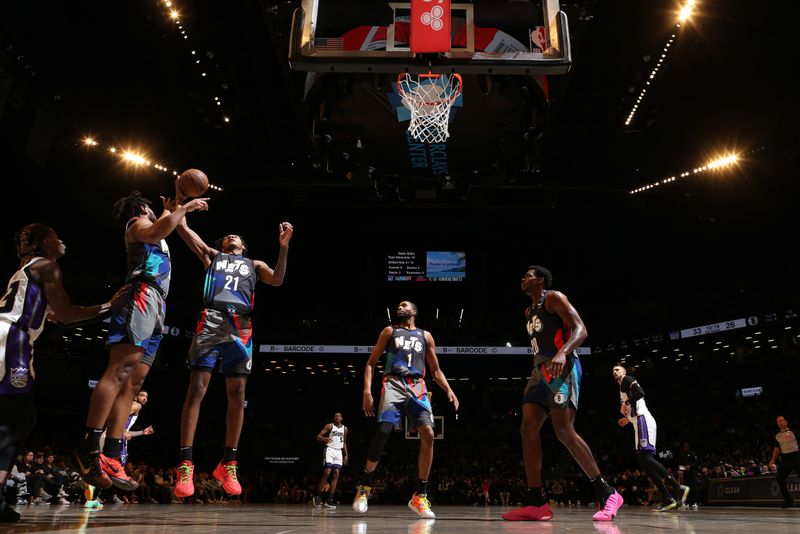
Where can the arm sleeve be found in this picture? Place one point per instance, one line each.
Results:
(632, 388)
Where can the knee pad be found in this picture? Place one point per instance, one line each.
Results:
(379, 441)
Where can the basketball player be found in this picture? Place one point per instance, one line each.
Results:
(634, 410)
(789, 453)
(134, 335)
(334, 436)
(556, 331)
(224, 333)
(34, 293)
(403, 394)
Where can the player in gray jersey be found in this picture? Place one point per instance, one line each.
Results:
(134, 334)
(334, 436)
(787, 449)
(404, 394)
(224, 335)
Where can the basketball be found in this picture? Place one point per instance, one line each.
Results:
(193, 182)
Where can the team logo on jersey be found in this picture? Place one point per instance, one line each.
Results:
(19, 377)
(249, 364)
(643, 443)
(559, 398)
(236, 266)
(534, 325)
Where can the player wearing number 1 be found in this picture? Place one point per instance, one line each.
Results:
(407, 349)
(223, 333)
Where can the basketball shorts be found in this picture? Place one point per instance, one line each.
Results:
(16, 360)
(137, 318)
(554, 391)
(644, 432)
(333, 458)
(223, 337)
(405, 396)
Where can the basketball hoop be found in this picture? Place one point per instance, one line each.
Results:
(429, 97)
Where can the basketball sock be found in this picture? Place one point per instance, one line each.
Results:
(230, 455)
(91, 441)
(533, 497)
(601, 488)
(422, 487)
(112, 448)
(186, 454)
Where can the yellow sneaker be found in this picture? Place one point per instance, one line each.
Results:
(421, 505)
(360, 504)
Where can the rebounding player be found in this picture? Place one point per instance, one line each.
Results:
(334, 436)
(634, 410)
(134, 335)
(224, 333)
(556, 331)
(34, 293)
(403, 394)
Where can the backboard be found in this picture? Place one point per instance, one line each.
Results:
(486, 37)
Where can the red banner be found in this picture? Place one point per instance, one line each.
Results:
(430, 26)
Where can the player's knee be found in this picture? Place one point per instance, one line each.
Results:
(529, 431)
(334, 474)
(565, 434)
(425, 433)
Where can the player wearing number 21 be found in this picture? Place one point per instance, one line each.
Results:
(223, 334)
(404, 394)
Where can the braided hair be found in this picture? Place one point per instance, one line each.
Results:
(218, 243)
(129, 207)
(28, 240)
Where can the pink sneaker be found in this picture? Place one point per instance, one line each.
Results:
(612, 506)
(530, 513)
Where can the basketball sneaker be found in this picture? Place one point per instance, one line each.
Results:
(612, 505)
(113, 468)
(184, 487)
(530, 513)
(330, 504)
(226, 473)
(316, 500)
(671, 505)
(87, 464)
(421, 505)
(361, 502)
(95, 504)
(684, 492)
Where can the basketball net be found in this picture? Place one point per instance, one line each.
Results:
(429, 97)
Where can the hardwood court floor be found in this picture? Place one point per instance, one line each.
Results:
(297, 519)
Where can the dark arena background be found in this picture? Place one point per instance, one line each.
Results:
(652, 167)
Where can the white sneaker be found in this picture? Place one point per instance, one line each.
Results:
(694, 507)
(361, 502)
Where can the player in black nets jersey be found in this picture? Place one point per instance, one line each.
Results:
(224, 333)
(634, 410)
(404, 394)
(556, 331)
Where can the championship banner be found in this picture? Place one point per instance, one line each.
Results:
(430, 26)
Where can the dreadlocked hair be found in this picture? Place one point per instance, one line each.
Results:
(129, 207)
(28, 239)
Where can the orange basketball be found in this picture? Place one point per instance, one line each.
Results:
(193, 182)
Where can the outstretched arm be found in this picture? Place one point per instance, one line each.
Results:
(266, 274)
(63, 310)
(146, 231)
(196, 243)
(436, 371)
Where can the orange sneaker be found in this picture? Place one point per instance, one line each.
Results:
(226, 473)
(421, 506)
(184, 487)
(113, 468)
